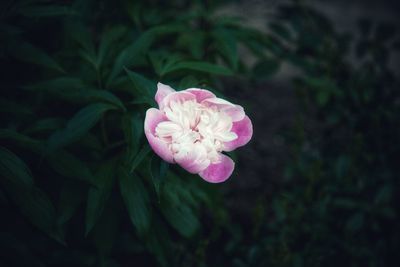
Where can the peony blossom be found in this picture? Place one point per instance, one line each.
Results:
(192, 127)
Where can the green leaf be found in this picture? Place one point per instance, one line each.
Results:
(76, 91)
(139, 158)
(101, 95)
(12, 168)
(142, 85)
(29, 53)
(31, 201)
(132, 125)
(35, 205)
(198, 66)
(162, 61)
(45, 125)
(139, 48)
(66, 164)
(71, 198)
(189, 82)
(226, 45)
(21, 140)
(143, 100)
(78, 125)
(81, 35)
(107, 40)
(97, 197)
(158, 171)
(136, 200)
(177, 207)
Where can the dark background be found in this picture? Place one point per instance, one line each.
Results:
(318, 184)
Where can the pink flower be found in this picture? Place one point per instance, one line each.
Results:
(192, 127)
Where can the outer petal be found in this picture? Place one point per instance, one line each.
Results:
(176, 97)
(244, 131)
(160, 147)
(236, 112)
(162, 91)
(201, 94)
(194, 160)
(218, 172)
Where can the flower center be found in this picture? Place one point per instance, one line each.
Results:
(193, 126)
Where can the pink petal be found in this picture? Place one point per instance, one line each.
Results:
(162, 91)
(244, 131)
(218, 172)
(180, 96)
(201, 94)
(236, 112)
(160, 147)
(194, 161)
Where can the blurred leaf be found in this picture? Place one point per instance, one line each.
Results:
(266, 68)
(66, 164)
(21, 140)
(141, 85)
(47, 11)
(355, 222)
(189, 81)
(12, 168)
(139, 158)
(162, 62)
(58, 85)
(97, 197)
(45, 125)
(143, 100)
(193, 41)
(281, 30)
(342, 166)
(139, 48)
(158, 171)
(132, 126)
(226, 45)
(324, 89)
(136, 200)
(75, 90)
(32, 202)
(198, 66)
(107, 40)
(70, 200)
(175, 207)
(158, 241)
(29, 53)
(81, 35)
(78, 125)
(384, 195)
(105, 231)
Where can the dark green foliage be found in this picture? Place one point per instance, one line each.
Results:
(75, 165)
(80, 185)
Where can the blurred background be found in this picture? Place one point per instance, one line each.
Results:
(318, 184)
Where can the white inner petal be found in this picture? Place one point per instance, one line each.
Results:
(195, 127)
